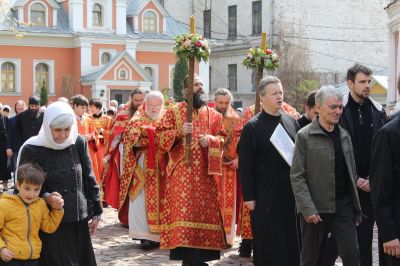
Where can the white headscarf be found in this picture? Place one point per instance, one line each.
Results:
(45, 138)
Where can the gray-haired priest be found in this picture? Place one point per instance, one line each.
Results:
(323, 177)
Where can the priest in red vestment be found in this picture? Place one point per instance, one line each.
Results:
(191, 220)
(143, 172)
(112, 161)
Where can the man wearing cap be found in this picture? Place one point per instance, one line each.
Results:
(29, 121)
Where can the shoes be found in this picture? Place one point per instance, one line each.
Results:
(147, 244)
(245, 248)
(194, 264)
(105, 205)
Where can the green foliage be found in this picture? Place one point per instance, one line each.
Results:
(180, 72)
(302, 91)
(43, 94)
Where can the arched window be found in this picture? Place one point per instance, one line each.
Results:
(105, 58)
(41, 77)
(123, 74)
(97, 15)
(8, 77)
(38, 14)
(149, 21)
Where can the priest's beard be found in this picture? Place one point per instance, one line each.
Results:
(222, 111)
(33, 113)
(152, 115)
(198, 100)
(132, 109)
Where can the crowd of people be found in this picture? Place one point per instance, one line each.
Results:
(191, 187)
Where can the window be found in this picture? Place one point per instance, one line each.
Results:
(97, 15)
(8, 77)
(123, 74)
(38, 14)
(105, 58)
(257, 17)
(161, 2)
(232, 77)
(232, 20)
(207, 23)
(149, 22)
(41, 77)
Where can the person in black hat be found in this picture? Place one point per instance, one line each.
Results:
(29, 121)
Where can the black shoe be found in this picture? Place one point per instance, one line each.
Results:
(155, 244)
(105, 204)
(146, 244)
(245, 248)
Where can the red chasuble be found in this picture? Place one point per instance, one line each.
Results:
(190, 213)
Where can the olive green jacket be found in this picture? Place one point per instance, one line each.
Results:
(313, 171)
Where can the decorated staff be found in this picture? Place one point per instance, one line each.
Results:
(260, 59)
(191, 47)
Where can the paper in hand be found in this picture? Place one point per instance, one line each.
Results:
(283, 143)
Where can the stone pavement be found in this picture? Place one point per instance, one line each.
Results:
(113, 246)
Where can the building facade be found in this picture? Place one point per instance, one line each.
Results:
(99, 48)
(324, 37)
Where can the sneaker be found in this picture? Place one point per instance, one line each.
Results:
(146, 244)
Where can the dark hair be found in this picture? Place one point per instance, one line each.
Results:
(311, 99)
(355, 69)
(186, 81)
(110, 112)
(137, 91)
(80, 100)
(31, 174)
(96, 102)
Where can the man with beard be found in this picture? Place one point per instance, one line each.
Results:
(265, 178)
(227, 182)
(143, 171)
(192, 226)
(112, 160)
(11, 145)
(28, 122)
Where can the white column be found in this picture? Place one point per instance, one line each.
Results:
(135, 24)
(164, 30)
(21, 14)
(130, 47)
(120, 17)
(75, 15)
(55, 17)
(89, 17)
(391, 96)
(204, 73)
(86, 57)
(108, 12)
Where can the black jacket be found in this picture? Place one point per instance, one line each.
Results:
(69, 172)
(27, 126)
(378, 117)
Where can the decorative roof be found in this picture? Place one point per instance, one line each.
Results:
(107, 67)
(134, 7)
(21, 3)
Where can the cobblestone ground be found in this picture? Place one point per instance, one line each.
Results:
(113, 246)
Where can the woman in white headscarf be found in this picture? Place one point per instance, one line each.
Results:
(63, 155)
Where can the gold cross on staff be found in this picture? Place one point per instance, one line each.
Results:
(260, 72)
(189, 96)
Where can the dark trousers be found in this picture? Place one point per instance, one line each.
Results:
(343, 228)
(365, 232)
(21, 263)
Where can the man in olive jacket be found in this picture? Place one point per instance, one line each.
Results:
(323, 177)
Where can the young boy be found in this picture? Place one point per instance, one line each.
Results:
(23, 215)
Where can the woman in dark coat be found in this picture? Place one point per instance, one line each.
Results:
(5, 171)
(63, 155)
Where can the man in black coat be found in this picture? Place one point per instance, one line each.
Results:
(265, 179)
(385, 191)
(28, 122)
(310, 111)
